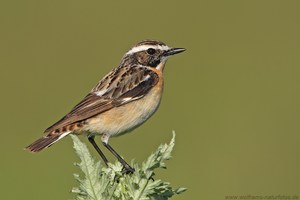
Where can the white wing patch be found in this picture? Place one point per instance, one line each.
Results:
(129, 99)
(101, 92)
(145, 47)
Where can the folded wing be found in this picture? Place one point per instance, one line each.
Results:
(126, 86)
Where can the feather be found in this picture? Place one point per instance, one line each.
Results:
(130, 85)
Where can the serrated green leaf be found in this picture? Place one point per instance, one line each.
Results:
(99, 182)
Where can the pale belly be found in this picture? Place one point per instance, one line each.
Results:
(120, 120)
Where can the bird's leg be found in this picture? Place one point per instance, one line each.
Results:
(127, 168)
(92, 141)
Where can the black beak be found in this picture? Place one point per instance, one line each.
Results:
(174, 51)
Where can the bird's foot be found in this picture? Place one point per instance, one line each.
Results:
(127, 169)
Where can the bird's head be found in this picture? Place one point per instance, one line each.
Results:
(151, 53)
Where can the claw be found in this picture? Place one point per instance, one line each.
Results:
(128, 170)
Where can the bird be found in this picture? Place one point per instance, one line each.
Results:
(121, 101)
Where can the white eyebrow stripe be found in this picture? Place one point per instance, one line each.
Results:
(145, 47)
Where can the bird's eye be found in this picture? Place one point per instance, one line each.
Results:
(151, 51)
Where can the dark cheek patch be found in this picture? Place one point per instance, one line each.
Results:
(147, 60)
(154, 63)
(142, 58)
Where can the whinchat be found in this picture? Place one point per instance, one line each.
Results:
(124, 99)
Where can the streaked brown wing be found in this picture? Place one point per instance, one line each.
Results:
(91, 105)
(132, 84)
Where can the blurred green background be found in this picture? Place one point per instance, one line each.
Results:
(232, 97)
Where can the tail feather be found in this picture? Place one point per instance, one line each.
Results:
(45, 142)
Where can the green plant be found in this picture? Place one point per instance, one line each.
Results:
(100, 182)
